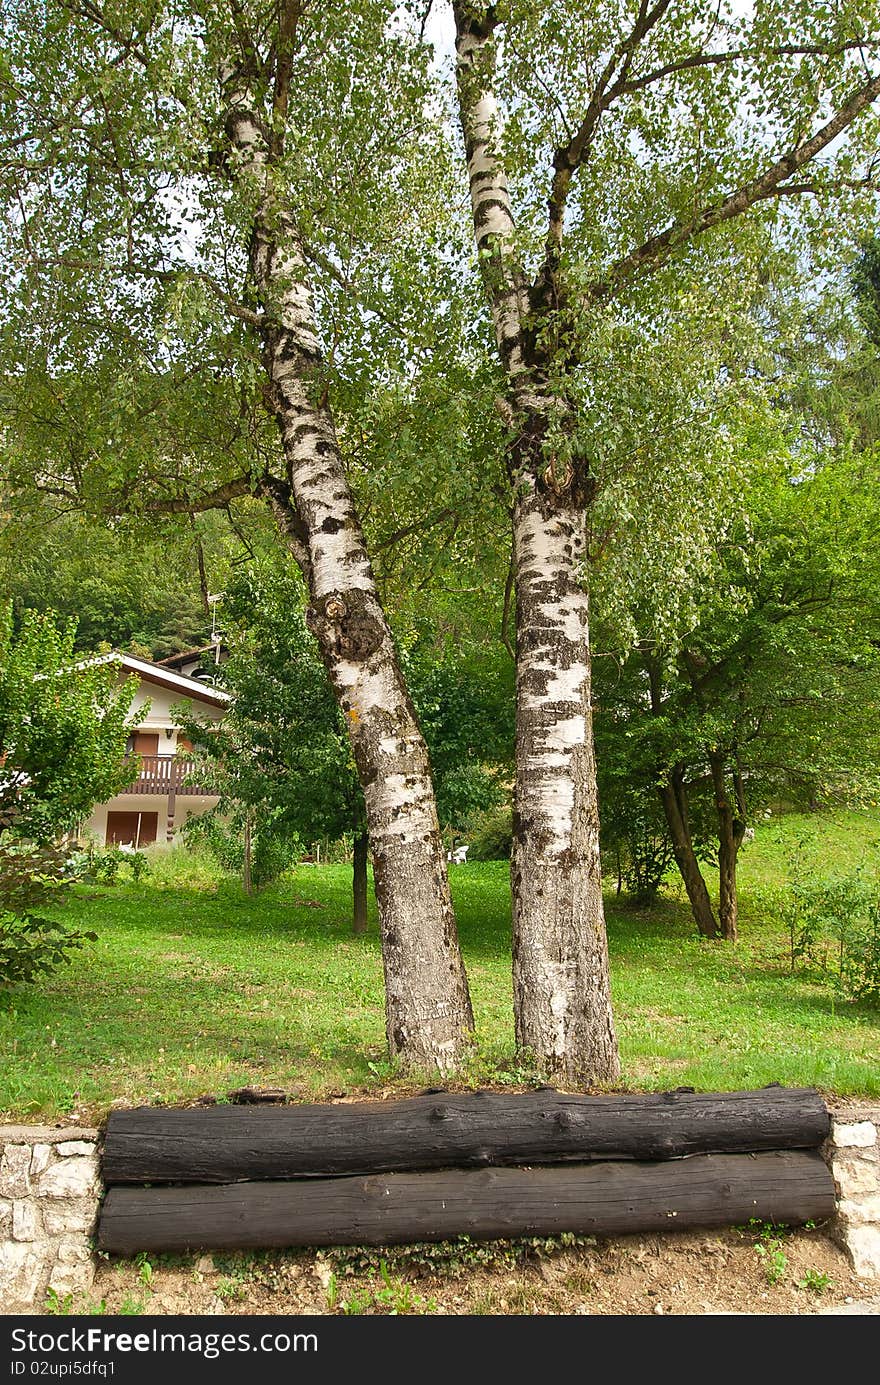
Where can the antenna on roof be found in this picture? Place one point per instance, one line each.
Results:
(215, 633)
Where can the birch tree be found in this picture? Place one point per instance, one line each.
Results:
(610, 155)
(173, 175)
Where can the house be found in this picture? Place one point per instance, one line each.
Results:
(157, 803)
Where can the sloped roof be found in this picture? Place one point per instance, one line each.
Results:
(175, 660)
(163, 677)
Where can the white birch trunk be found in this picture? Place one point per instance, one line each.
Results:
(560, 962)
(562, 1002)
(428, 1010)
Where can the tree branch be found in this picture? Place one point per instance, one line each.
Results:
(570, 156)
(417, 527)
(494, 226)
(216, 499)
(162, 276)
(772, 183)
(733, 55)
(290, 13)
(324, 262)
(280, 497)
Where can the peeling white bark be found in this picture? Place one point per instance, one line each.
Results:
(561, 986)
(428, 1010)
(562, 1000)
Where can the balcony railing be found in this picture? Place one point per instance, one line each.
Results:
(164, 774)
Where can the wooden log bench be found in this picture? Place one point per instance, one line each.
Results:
(484, 1164)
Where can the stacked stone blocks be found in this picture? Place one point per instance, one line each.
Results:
(854, 1156)
(49, 1190)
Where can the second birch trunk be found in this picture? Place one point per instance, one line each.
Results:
(428, 1011)
(561, 983)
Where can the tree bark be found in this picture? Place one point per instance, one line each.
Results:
(731, 830)
(428, 1010)
(673, 796)
(359, 883)
(560, 957)
(562, 1005)
(247, 875)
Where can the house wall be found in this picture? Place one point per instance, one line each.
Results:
(186, 806)
(159, 719)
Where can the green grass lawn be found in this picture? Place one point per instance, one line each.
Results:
(192, 988)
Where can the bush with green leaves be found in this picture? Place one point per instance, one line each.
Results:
(105, 865)
(640, 853)
(492, 836)
(274, 845)
(32, 944)
(859, 967)
(833, 928)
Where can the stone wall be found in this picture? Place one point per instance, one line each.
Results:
(854, 1155)
(49, 1191)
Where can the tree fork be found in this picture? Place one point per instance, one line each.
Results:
(672, 797)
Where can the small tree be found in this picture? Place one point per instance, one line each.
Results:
(282, 760)
(30, 943)
(63, 733)
(770, 692)
(63, 728)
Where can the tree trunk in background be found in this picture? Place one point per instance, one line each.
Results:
(428, 1010)
(728, 911)
(359, 883)
(731, 830)
(673, 796)
(246, 874)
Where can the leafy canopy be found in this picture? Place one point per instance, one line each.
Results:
(64, 724)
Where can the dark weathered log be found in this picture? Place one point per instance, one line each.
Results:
(386, 1209)
(223, 1144)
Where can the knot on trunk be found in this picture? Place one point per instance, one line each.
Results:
(569, 480)
(349, 626)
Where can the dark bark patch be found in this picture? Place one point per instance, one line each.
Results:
(484, 207)
(348, 625)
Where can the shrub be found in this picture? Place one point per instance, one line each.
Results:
(833, 926)
(103, 865)
(859, 970)
(645, 857)
(30, 943)
(492, 836)
(274, 848)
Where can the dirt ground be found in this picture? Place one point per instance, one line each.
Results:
(752, 1270)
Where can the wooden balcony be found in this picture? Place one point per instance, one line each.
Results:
(164, 774)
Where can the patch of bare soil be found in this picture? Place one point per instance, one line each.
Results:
(754, 1270)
